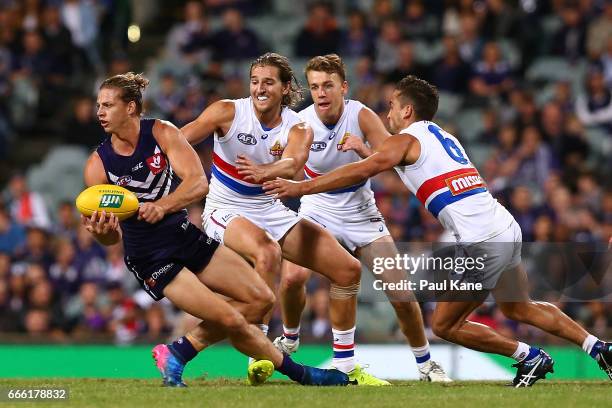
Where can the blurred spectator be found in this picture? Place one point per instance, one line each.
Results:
(90, 257)
(490, 127)
(406, 65)
(67, 221)
(594, 108)
(387, 46)
(418, 24)
(36, 249)
(606, 63)
(244, 42)
(167, 98)
(382, 10)
(191, 37)
(63, 273)
(41, 297)
(319, 307)
(569, 41)
(358, 38)
(191, 106)
(500, 20)
(58, 42)
(450, 73)
(27, 207)
(600, 32)
(84, 312)
(81, 18)
(523, 210)
(82, 127)
(563, 96)
(126, 322)
(491, 76)
(12, 234)
(523, 102)
(531, 163)
(30, 15)
(320, 35)
(470, 41)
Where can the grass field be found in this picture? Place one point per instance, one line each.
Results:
(232, 393)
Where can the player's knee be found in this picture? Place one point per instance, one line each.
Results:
(350, 274)
(513, 311)
(262, 303)
(294, 279)
(442, 329)
(269, 255)
(233, 322)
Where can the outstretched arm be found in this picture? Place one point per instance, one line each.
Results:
(395, 150)
(186, 164)
(217, 117)
(292, 161)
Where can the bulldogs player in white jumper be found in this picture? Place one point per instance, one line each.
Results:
(341, 127)
(257, 139)
(434, 166)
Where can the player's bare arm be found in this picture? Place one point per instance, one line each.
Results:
(292, 161)
(217, 117)
(186, 164)
(103, 226)
(396, 150)
(374, 132)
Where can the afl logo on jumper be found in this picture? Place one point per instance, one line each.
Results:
(247, 139)
(156, 163)
(318, 146)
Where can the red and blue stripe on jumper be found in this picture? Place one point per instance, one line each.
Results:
(227, 174)
(312, 174)
(448, 188)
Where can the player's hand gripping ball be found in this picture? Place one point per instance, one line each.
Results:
(109, 198)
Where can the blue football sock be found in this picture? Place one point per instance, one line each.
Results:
(291, 369)
(533, 354)
(596, 348)
(183, 349)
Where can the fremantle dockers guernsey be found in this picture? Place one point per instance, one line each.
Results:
(148, 174)
(247, 137)
(326, 155)
(449, 186)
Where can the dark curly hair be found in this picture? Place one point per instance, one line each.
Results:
(422, 95)
(285, 73)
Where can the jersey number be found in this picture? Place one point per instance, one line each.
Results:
(449, 145)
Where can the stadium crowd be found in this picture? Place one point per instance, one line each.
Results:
(542, 142)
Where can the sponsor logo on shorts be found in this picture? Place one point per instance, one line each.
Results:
(464, 182)
(124, 181)
(376, 219)
(247, 139)
(226, 217)
(111, 201)
(156, 163)
(152, 281)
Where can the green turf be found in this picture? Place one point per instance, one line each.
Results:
(231, 393)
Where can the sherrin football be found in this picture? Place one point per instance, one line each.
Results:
(107, 197)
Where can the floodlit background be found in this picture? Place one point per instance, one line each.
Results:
(524, 84)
